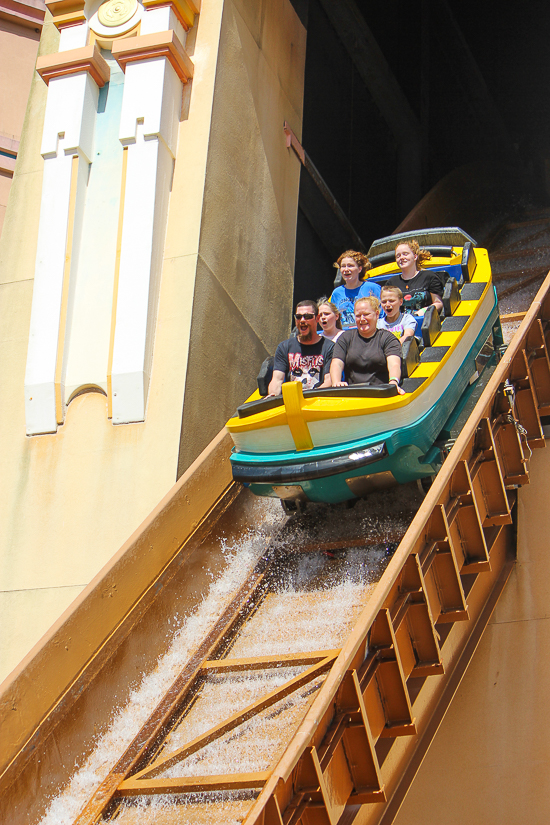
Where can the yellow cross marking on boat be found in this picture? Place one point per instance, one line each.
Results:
(293, 396)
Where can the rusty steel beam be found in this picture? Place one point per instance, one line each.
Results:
(293, 143)
(510, 317)
(162, 763)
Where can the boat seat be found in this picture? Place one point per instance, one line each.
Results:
(265, 375)
(410, 356)
(468, 263)
(431, 326)
(389, 256)
(451, 297)
(353, 391)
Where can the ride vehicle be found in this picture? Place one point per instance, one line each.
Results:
(339, 444)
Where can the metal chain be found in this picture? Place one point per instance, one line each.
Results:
(510, 393)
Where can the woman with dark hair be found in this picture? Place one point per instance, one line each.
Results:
(353, 267)
(420, 287)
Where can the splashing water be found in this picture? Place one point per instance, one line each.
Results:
(313, 602)
(65, 807)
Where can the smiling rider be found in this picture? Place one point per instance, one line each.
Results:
(420, 287)
(353, 268)
(305, 358)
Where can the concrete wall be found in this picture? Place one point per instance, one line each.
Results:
(243, 296)
(490, 759)
(71, 499)
(18, 48)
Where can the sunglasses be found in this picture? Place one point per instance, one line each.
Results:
(306, 316)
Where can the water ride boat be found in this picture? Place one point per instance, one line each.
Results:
(339, 444)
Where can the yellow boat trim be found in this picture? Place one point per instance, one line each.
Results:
(447, 339)
(316, 409)
(293, 396)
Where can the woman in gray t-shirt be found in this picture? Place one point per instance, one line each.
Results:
(366, 355)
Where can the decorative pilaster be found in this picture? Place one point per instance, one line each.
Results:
(155, 67)
(67, 146)
(62, 64)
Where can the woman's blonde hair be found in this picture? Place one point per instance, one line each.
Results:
(333, 308)
(422, 255)
(371, 300)
(360, 259)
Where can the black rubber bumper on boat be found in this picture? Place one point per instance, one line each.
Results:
(306, 471)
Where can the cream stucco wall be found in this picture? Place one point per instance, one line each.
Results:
(18, 48)
(490, 760)
(242, 302)
(71, 499)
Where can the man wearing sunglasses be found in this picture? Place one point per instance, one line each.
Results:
(305, 358)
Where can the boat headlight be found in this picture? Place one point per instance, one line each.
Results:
(374, 452)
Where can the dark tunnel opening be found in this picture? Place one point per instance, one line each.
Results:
(402, 96)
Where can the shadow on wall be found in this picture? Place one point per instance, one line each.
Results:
(477, 197)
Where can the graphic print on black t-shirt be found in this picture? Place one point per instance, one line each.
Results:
(306, 363)
(417, 291)
(305, 368)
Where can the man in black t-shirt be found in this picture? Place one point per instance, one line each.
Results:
(305, 358)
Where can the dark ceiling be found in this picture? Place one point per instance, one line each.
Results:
(471, 78)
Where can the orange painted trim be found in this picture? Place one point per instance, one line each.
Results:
(185, 10)
(7, 165)
(9, 148)
(66, 12)
(65, 292)
(115, 284)
(158, 44)
(86, 59)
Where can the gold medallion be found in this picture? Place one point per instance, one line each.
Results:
(116, 12)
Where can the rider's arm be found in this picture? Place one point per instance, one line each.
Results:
(336, 370)
(394, 370)
(276, 383)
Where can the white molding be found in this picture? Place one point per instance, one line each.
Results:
(68, 131)
(160, 20)
(149, 128)
(73, 37)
